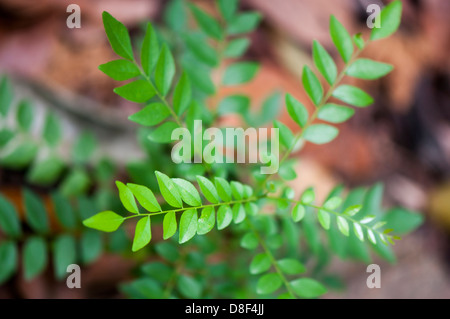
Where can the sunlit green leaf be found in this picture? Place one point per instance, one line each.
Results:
(106, 221)
(188, 225)
(390, 18)
(142, 234)
(324, 62)
(169, 190)
(368, 69)
(341, 39)
(150, 115)
(120, 70)
(312, 85)
(118, 36)
(352, 95)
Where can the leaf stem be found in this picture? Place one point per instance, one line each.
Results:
(334, 213)
(250, 199)
(327, 96)
(160, 96)
(271, 257)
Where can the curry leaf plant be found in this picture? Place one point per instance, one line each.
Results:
(23, 146)
(178, 89)
(37, 240)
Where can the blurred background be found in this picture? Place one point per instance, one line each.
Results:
(402, 140)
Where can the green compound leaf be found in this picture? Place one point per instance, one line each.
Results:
(368, 69)
(9, 220)
(169, 225)
(335, 113)
(34, 257)
(142, 234)
(35, 212)
(163, 133)
(64, 254)
(240, 73)
(139, 91)
(341, 39)
(296, 110)
(208, 24)
(165, 71)
(224, 217)
(324, 62)
(188, 192)
(149, 50)
(120, 70)
(151, 115)
(118, 36)
(291, 266)
(169, 190)
(390, 18)
(260, 263)
(208, 189)
(320, 133)
(298, 213)
(308, 288)
(312, 85)
(182, 95)
(268, 284)
(352, 95)
(206, 221)
(223, 189)
(106, 221)
(127, 198)
(188, 225)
